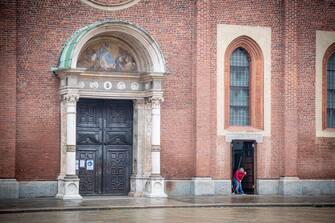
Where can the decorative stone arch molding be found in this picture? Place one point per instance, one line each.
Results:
(143, 86)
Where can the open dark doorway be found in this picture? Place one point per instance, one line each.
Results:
(243, 155)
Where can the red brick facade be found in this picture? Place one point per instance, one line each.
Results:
(33, 34)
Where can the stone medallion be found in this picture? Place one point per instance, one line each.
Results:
(110, 4)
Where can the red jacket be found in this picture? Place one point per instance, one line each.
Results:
(239, 175)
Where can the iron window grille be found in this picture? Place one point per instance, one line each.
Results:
(239, 113)
(331, 92)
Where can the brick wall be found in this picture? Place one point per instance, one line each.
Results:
(186, 32)
(7, 88)
(316, 156)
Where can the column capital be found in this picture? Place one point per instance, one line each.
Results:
(156, 101)
(70, 98)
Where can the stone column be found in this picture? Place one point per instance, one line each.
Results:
(155, 184)
(70, 181)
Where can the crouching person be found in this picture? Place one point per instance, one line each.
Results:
(237, 181)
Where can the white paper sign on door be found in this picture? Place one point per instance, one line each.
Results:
(82, 164)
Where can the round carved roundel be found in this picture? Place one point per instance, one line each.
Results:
(110, 4)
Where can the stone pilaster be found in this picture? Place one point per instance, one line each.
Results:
(138, 178)
(155, 185)
(69, 185)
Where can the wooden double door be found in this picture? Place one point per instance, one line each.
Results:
(104, 146)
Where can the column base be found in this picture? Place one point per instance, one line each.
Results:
(290, 186)
(155, 187)
(68, 188)
(137, 186)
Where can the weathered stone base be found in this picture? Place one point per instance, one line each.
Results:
(30, 189)
(290, 186)
(295, 186)
(137, 186)
(68, 188)
(9, 188)
(202, 186)
(197, 187)
(154, 187)
(267, 186)
(13, 189)
(222, 187)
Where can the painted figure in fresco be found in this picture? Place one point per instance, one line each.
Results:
(125, 63)
(88, 59)
(105, 58)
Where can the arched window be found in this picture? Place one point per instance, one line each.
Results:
(331, 92)
(244, 88)
(328, 88)
(239, 113)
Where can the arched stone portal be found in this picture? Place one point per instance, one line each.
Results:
(113, 60)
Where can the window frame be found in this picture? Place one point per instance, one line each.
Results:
(256, 84)
(329, 52)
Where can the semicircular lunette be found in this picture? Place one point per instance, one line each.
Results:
(106, 55)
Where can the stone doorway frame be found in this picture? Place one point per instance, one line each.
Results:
(143, 87)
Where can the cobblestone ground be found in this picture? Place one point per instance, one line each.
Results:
(182, 215)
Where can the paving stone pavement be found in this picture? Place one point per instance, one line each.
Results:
(109, 203)
(179, 215)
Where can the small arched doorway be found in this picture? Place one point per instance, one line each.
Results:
(104, 67)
